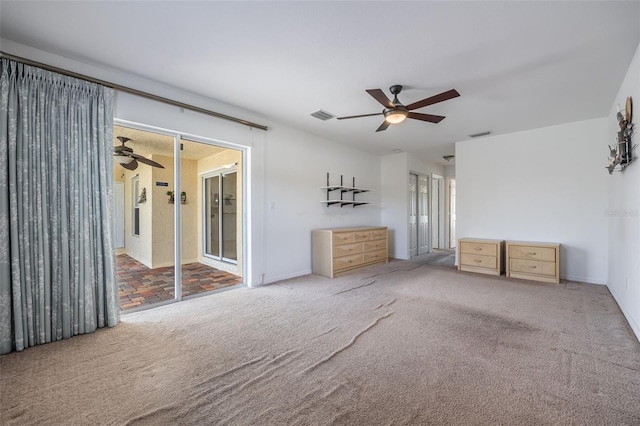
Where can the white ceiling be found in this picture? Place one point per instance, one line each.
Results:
(517, 65)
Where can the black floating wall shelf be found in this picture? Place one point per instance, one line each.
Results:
(332, 190)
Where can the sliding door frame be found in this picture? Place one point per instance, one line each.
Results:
(220, 172)
(177, 216)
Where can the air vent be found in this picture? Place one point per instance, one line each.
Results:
(477, 135)
(322, 115)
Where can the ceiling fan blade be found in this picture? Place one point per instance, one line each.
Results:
(426, 117)
(146, 160)
(358, 116)
(383, 126)
(379, 96)
(131, 165)
(444, 96)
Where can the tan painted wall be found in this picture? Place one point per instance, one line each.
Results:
(205, 165)
(163, 213)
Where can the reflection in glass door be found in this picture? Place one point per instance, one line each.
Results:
(221, 202)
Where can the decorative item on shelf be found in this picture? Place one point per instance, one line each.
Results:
(143, 196)
(330, 189)
(183, 197)
(622, 153)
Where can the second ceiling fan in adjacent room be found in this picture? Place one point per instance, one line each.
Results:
(125, 156)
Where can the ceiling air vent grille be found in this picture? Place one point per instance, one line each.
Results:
(477, 135)
(322, 115)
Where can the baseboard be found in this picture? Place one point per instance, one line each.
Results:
(633, 324)
(587, 280)
(168, 264)
(285, 277)
(635, 327)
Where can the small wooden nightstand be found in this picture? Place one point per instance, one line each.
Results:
(533, 261)
(481, 255)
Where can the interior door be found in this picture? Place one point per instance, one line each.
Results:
(413, 215)
(435, 211)
(423, 214)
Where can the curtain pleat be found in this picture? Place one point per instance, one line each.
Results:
(57, 263)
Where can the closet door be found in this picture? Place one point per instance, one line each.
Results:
(423, 215)
(413, 215)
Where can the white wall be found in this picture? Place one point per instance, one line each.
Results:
(547, 184)
(296, 168)
(623, 214)
(395, 202)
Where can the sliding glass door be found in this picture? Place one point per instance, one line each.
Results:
(220, 215)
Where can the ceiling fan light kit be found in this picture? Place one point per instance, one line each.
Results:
(395, 116)
(395, 112)
(122, 159)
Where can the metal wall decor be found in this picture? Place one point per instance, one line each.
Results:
(622, 153)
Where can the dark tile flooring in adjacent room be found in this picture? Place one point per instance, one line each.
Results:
(142, 286)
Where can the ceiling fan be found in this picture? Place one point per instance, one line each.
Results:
(394, 112)
(125, 156)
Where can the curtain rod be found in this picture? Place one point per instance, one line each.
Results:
(133, 91)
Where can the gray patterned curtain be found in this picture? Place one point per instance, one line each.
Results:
(57, 264)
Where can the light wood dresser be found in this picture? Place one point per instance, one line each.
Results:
(481, 255)
(533, 261)
(340, 250)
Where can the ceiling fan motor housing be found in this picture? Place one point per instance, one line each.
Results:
(395, 89)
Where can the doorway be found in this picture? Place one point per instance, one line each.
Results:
(418, 214)
(452, 213)
(162, 259)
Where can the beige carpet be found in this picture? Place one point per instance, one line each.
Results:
(394, 344)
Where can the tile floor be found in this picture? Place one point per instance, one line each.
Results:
(140, 286)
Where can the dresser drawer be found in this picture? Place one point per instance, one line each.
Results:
(486, 249)
(348, 261)
(378, 234)
(532, 267)
(344, 237)
(347, 249)
(362, 236)
(375, 245)
(480, 261)
(547, 254)
(373, 256)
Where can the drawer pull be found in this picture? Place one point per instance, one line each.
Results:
(532, 266)
(478, 249)
(478, 261)
(532, 254)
